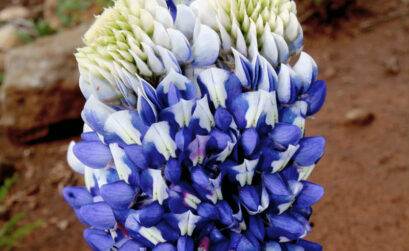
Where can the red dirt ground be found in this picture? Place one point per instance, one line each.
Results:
(365, 170)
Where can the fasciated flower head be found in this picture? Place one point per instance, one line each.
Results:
(267, 26)
(200, 156)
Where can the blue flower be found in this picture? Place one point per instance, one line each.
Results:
(186, 147)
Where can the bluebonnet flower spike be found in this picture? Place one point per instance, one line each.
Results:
(194, 135)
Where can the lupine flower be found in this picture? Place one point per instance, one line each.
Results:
(182, 150)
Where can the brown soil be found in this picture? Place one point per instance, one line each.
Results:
(365, 170)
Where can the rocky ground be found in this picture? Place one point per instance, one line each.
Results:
(364, 58)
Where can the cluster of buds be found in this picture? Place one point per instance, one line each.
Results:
(194, 135)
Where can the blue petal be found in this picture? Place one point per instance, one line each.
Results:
(221, 86)
(208, 188)
(257, 226)
(310, 151)
(146, 236)
(308, 245)
(249, 141)
(225, 212)
(243, 69)
(98, 239)
(98, 215)
(125, 125)
(146, 110)
(267, 79)
(295, 114)
(185, 243)
(164, 247)
(310, 194)
(149, 215)
(223, 119)
(272, 246)
(93, 154)
(131, 245)
(147, 91)
(77, 196)
(245, 245)
(250, 197)
(118, 195)
(89, 136)
(253, 109)
(315, 97)
(182, 197)
(173, 171)
(184, 85)
(286, 89)
(127, 171)
(172, 8)
(135, 154)
(206, 45)
(208, 211)
(285, 227)
(95, 113)
(285, 134)
(169, 233)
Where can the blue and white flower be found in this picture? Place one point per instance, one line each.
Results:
(181, 151)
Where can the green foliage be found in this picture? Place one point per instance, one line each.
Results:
(1, 80)
(67, 10)
(42, 28)
(9, 232)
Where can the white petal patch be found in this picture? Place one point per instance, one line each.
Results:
(180, 46)
(98, 111)
(246, 171)
(73, 161)
(120, 123)
(305, 171)
(305, 68)
(191, 200)
(177, 79)
(261, 103)
(159, 135)
(203, 113)
(185, 20)
(152, 234)
(183, 112)
(206, 45)
(159, 188)
(214, 79)
(187, 222)
(285, 157)
(124, 171)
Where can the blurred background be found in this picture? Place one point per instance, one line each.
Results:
(362, 50)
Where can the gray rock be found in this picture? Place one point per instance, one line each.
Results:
(359, 117)
(41, 86)
(9, 37)
(14, 12)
